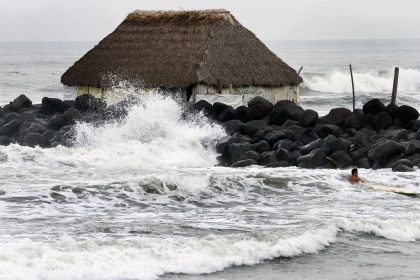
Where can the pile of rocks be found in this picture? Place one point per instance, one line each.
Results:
(51, 123)
(284, 134)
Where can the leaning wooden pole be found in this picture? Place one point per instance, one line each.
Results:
(300, 69)
(352, 87)
(395, 86)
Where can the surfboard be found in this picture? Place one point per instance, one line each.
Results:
(397, 190)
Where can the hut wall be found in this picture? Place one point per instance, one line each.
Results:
(240, 96)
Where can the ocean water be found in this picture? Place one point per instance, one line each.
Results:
(144, 199)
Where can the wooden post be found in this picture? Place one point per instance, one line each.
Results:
(300, 69)
(352, 87)
(395, 86)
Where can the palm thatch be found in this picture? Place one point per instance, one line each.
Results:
(175, 49)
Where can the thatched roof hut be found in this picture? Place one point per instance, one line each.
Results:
(177, 49)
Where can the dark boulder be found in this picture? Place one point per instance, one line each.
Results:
(275, 136)
(315, 159)
(236, 150)
(337, 116)
(227, 114)
(57, 122)
(21, 102)
(202, 106)
(333, 144)
(29, 115)
(278, 164)
(284, 110)
(251, 127)
(36, 128)
(261, 146)
(413, 147)
(2, 113)
(8, 108)
(36, 139)
(363, 163)
(392, 110)
(383, 152)
(311, 146)
(323, 130)
(283, 155)
(89, 103)
(259, 111)
(396, 135)
(241, 113)
(217, 109)
(308, 118)
(360, 153)
(223, 143)
(11, 128)
(267, 157)
(251, 155)
(51, 105)
(12, 116)
(402, 168)
(286, 144)
(402, 161)
(116, 111)
(233, 126)
(364, 139)
(416, 125)
(67, 104)
(307, 136)
(342, 159)
(5, 141)
(258, 100)
(406, 114)
(373, 107)
(356, 120)
(49, 134)
(244, 163)
(382, 120)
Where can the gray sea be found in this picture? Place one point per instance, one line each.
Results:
(144, 199)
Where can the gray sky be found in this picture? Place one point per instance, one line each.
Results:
(91, 20)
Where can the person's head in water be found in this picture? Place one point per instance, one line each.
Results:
(355, 172)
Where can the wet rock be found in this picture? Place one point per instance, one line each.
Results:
(402, 168)
(356, 120)
(71, 115)
(275, 136)
(37, 128)
(11, 128)
(51, 105)
(338, 116)
(286, 144)
(202, 106)
(253, 126)
(89, 103)
(373, 107)
(36, 139)
(57, 122)
(236, 150)
(278, 164)
(244, 163)
(217, 109)
(66, 105)
(58, 196)
(416, 125)
(241, 113)
(364, 139)
(117, 111)
(5, 141)
(311, 146)
(315, 159)
(382, 120)
(418, 134)
(406, 114)
(8, 108)
(396, 135)
(392, 110)
(21, 102)
(251, 155)
(49, 134)
(262, 146)
(234, 126)
(223, 143)
(342, 159)
(383, 152)
(403, 161)
(359, 154)
(323, 130)
(308, 118)
(333, 144)
(284, 110)
(12, 116)
(29, 115)
(2, 113)
(267, 158)
(363, 163)
(413, 147)
(283, 155)
(259, 111)
(227, 114)
(308, 135)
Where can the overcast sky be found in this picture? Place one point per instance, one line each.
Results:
(91, 20)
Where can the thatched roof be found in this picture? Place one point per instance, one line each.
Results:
(174, 49)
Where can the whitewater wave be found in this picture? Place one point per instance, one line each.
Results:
(367, 81)
(152, 136)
